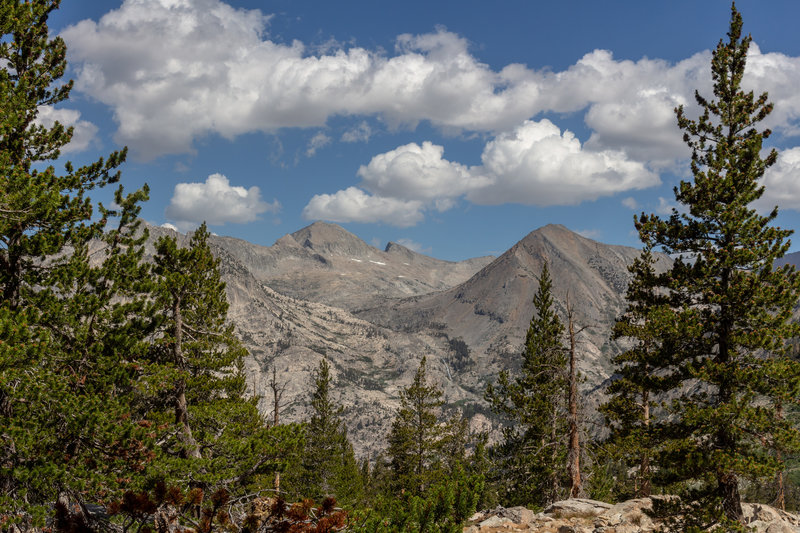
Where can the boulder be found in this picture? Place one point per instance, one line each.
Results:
(631, 516)
(577, 507)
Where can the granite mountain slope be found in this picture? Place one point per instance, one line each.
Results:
(322, 292)
(491, 310)
(327, 264)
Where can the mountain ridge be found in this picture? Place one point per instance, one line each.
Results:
(322, 292)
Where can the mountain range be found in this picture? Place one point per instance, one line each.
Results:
(321, 292)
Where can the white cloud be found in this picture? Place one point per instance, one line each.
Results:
(779, 75)
(175, 71)
(665, 206)
(537, 164)
(414, 172)
(355, 205)
(317, 141)
(216, 202)
(630, 202)
(83, 134)
(167, 225)
(360, 133)
(782, 183)
(644, 126)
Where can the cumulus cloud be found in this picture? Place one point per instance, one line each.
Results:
(535, 164)
(83, 134)
(174, 72)
(415, 172)
(782, 183)
(355, 205)
(319, 140)
(216, 201)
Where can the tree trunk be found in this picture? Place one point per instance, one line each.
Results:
(727, 482)
(181, 408)
(574, 436)
(644, 465)
(277, 392)
(554, 446)
(731, 501)
(780, 489)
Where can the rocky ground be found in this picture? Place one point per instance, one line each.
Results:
(590, 516)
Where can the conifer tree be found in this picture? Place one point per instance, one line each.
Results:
(219, 436)
(68, 353)
(328, 463)
(726, 302)
(532, 455)
(419, 436)
(634, 391)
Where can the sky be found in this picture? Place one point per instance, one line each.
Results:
(452, 127)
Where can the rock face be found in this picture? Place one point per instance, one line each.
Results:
(324, 263)
(491, 311)
(589, 516)
(322, 292)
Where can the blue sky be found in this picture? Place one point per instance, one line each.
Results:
(454, 127)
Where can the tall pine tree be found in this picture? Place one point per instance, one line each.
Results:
(424, 446)
(329, 466)
(532, 455)
(217, 436)
(636, 388)
(726, 302)
(68, 351)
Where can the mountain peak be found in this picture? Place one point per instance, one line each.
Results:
(557, 235)
(554, 230)
(326, 238)
(396, 248)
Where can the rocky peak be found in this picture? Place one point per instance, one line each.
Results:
(330, 239)
(398, 250)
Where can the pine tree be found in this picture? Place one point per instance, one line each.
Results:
(728, 306)
(329, 465)
(634, 391)
(218, 435)
(423, 445)
(533, 452)
(68, 353)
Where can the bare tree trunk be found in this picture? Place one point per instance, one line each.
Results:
(191, 449)
(554, 447)
(780, 498)
(574, 452)
(277, 393)
(644, 465)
